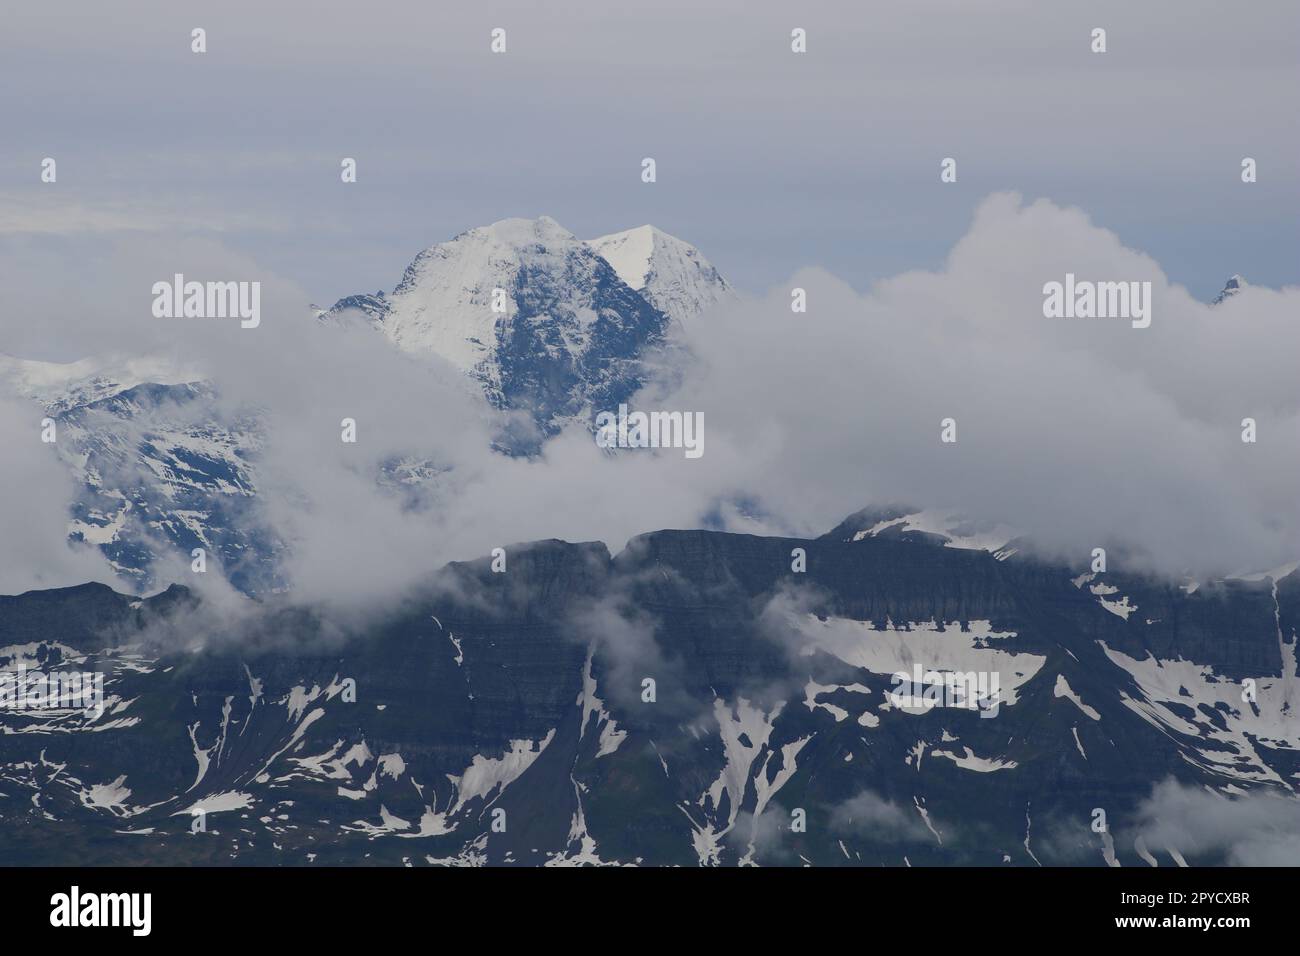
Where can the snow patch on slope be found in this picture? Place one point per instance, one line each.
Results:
(957, 531)
(671, 274)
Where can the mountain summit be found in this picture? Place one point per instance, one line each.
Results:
(1234, 285)
(159, 468)
(571, 321)
(670, 273)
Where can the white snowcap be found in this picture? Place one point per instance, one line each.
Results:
(520, 232)
(61, 385)
(670, 273)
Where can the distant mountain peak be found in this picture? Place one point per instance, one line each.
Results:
(578, 315)
(63, 385)
(1234, 285)
(513, 232)
(629, 252)
(670, 273)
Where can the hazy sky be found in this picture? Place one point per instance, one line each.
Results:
(767, 160)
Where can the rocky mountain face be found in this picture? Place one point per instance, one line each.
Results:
(672, 275)
(543, 321)
(911, 688)
(1230, 288)
(159, 469)
(691, 700)
(162, 470)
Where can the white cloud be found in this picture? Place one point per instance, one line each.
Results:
(1255, 829)
(36, 553)
(1079, 432)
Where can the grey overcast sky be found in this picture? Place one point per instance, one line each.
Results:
(767, 161)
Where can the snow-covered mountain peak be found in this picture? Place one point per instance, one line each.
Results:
(506, 241)
(629, 252)
(539, 319)
(63, 385)
(1234, 285)
(444, 302)
(672, 275)
(542, 320)
(521, 233)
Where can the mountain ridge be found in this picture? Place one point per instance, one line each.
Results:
(542, 320)
(502, 719)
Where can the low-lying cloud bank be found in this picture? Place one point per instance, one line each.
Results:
(1079, 432)
(1255, 829)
